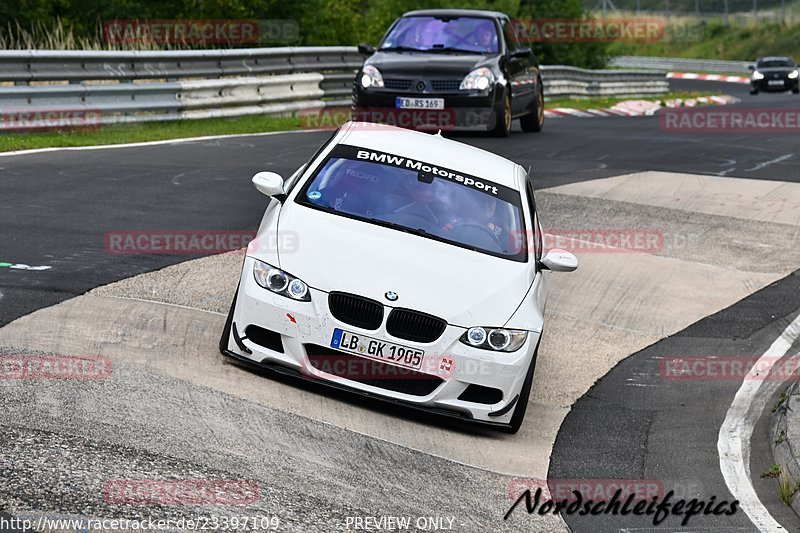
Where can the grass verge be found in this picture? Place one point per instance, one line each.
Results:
(145, 131)
(787, 488)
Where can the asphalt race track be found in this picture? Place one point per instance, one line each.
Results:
(724, 282)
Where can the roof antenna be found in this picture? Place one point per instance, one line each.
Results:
(439, 133)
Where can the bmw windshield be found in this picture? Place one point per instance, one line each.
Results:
(419, 198)
(430, 34)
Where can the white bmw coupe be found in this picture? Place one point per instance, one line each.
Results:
(415, 274)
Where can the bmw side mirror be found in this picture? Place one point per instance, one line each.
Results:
(559, 260)
(751, 67)
(521, 52)
(366, 49)
(271, 184)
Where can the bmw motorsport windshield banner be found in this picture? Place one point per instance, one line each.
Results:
(427, 170)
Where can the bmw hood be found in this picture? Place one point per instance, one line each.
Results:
(463, 287)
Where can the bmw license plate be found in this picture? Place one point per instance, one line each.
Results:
(389, 352)
(775, 82)
(419, 103)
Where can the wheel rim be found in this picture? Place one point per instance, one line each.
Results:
(507, 113)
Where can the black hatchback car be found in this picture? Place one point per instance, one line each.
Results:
(775, 74)
(450, 69)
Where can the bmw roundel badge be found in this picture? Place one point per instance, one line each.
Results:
(391, 296)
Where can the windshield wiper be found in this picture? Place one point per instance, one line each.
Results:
(455, 50)
(395, 225)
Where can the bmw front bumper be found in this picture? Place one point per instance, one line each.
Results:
(292, 337)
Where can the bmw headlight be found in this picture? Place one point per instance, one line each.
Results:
(480, 79)
(371, 77)
(497, 339)
(757, 75)
(276, 280)
(794, 74)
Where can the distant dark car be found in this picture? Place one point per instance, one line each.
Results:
(775, 74)
(461, 68)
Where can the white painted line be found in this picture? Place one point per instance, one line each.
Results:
(770, 162)
(733, 444)
(169, 304)
(22, 266)
(148, 143)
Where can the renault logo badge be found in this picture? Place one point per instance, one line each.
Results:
(391, 296)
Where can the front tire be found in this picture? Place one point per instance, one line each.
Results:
(753, 91)
(524, 395)
(502, 118)
(535, 120)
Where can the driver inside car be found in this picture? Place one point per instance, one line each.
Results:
(485, 37)
(485, 215)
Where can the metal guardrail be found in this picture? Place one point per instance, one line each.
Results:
(172, 85)
(27, 66)
(569, 82)
(681, 64)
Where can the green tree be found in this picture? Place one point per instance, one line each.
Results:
(579, 54)
(321, 22)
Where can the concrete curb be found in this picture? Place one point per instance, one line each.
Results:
(639, 108)
(785, 439)
(707, 77)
